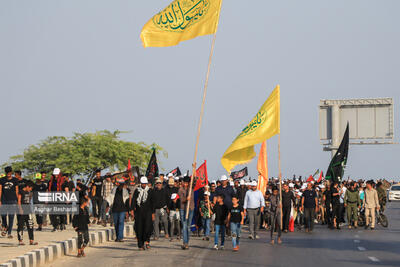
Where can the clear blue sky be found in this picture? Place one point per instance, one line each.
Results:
(78, 66)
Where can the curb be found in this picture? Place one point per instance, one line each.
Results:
(48, 254)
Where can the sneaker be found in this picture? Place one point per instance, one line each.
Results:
(251, 237)
(216, 247)
(21, 243)
(372, 228)
(33, 243)
(10, 236)
(207, 238)
(257, 237)
(54, 229)
(221, 248)
(236, 249)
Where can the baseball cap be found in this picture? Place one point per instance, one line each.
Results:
(144, 180)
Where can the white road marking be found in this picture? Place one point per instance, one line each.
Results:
(356, 241)
(374, 259)
(357, 236)
(362, 249)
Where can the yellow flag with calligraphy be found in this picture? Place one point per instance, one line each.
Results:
(180, 21)
(263, 126)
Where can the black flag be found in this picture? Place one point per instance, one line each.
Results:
(152, 169)
(338, 163)
(176, 172)
(239, 174)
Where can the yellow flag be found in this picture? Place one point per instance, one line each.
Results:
(263, 126)
(180, 21)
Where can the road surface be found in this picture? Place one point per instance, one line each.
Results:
(323, 247)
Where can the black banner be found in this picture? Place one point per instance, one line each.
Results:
(152, 169)
(338, 163)
(239, 174)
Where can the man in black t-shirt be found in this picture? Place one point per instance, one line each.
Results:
(21, 181)
(309, 204)
(327, 199)
(97, 199)
(39, 186)
(8, 196)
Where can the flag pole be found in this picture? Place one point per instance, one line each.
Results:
(200, 122)
(280, 176)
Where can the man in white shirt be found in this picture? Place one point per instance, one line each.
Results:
(254, 204)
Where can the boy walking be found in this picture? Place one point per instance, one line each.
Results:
(236, 219)
(80, 222)
(221, 214)
(24, 198)
(205, 213)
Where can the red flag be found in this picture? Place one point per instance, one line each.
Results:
(129, 165)
(310, 179)
(320, 177)
(201, 174)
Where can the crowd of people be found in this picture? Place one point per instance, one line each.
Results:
(164, 208)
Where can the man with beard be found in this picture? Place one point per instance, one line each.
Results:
(254, 204)
(143, 207)
(287, 200)
(352, 202)
(161, 200)
(309, 205)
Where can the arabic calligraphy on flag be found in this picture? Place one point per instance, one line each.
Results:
(202, 176)
(180, 21)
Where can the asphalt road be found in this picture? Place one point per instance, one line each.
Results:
(323, 247)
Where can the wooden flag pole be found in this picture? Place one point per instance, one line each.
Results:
(200, 122)
(280, 176)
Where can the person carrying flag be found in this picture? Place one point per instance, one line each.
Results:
(186, 200)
